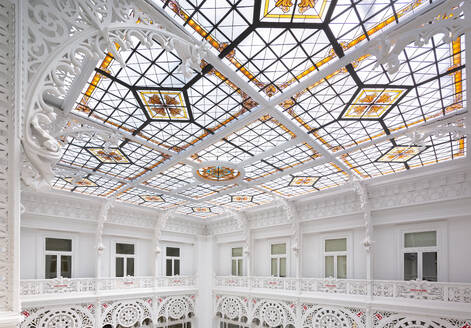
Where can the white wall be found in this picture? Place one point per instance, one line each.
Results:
(459, 247)
(84, 250)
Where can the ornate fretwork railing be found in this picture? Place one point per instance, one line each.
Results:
(32, 287)
(417, 290)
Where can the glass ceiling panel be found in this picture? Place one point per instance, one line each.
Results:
(178, 176)
(307, 181)
(399, 154)
(89, 184)
(364, 103)
(127, 161)
(243, 199)
(148, 198)
(272, 45)
(280, 161)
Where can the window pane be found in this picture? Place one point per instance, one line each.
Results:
(239, 273)
(274, 267)
(237, 251)
(55, 244)
(283, 267)
(278, 249)
(130, 266)
(169, 267)
(119, 267)
(420, 239)
(51, 266)
(329, 266)
(173, 251)
(410, 266)
(342, 267)
(66, 266)
(336, 245)
(429, 266)
(176, 267)
(234, 267)
(124, 248)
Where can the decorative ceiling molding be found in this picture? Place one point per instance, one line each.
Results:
(431, 188)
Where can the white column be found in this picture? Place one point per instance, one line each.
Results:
(205, 266)
(11, 79)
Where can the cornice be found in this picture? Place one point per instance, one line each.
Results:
(402, 190)
(86, 209)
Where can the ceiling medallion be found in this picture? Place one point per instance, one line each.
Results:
(219, 173)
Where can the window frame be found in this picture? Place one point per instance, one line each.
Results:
(237, 258)
(114, 255)
(348, 253)
(173, 258)
(41, 252)
(440, 248)
(125, 259)
(278, 256)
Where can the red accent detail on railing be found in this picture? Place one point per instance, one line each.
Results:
(331, 286)
(379, 316)
(25, 313)
(359, 314)
(418, 290)
(273, 283)
(59, 286)
(90, 306)
(177, 281)
(128, 283)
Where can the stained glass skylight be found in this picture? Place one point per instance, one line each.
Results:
(167, 126)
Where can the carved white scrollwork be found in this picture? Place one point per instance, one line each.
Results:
(61, 35)
(450, 20)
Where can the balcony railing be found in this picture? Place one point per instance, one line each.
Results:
(418, 290)
(31, 287)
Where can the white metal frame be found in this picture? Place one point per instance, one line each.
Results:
(114, 255)
(237, 258)
(41, 252)
(173, 258)
(348, 252)
(440, 248)
(279, 256)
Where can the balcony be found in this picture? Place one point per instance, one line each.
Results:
(47, 289)
(437, 294)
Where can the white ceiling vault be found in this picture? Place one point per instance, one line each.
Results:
(289, 101)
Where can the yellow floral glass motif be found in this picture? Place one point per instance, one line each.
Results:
(152, 198)
(372, 103)
(201, 209)
(84, 182)
(285, 9)
(165, 105)
(303, 181)
(241, 198)
(113, 156)
(400, 154)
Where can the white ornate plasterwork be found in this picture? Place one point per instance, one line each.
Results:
(102, 218)
(450, 20)
(70, 316)
(8, 132)
(79, 208)
(61, 35)
(432, 187)
(301, 313)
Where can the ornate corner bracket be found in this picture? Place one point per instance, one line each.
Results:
(61, 36)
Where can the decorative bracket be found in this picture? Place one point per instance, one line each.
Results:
(446, 19)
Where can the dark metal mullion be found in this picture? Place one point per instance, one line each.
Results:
(415, 88)
(238, 147)
(152, 62)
